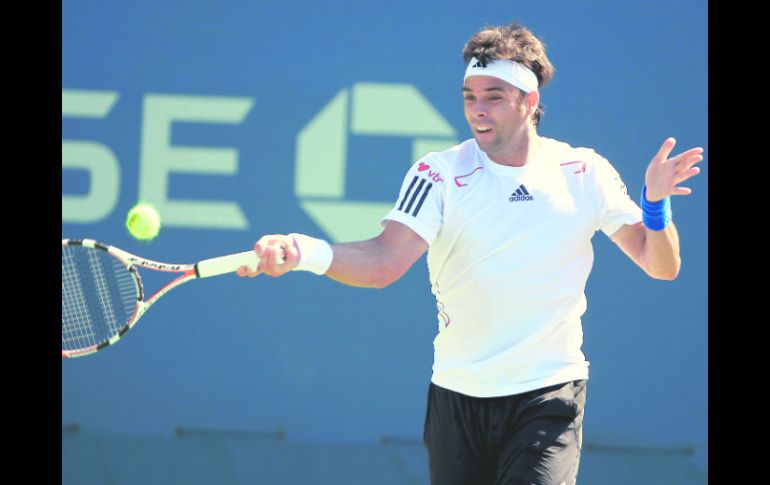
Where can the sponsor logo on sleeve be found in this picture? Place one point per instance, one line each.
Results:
(432, 174)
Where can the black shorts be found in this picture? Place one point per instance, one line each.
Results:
(524, 439)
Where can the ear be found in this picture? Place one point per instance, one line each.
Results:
(533, 100)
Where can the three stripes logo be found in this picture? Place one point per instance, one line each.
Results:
(413, 195)
(521, 194)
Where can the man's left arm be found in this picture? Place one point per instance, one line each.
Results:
(654, 243)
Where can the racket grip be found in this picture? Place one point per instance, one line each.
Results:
(228, 264)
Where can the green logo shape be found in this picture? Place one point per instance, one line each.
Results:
(395, 110)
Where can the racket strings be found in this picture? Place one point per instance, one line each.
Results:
(99, 296)
(73, 305)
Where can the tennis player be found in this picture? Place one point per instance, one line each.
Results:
(507, 219)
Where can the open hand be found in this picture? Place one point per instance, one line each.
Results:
(664, 174)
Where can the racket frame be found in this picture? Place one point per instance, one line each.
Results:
(209, 267)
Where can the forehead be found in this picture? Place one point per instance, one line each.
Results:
(485, 83)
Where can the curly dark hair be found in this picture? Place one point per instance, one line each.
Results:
(514, 42)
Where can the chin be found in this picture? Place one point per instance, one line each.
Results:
(486, 145)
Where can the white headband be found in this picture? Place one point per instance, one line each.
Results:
(509, 71)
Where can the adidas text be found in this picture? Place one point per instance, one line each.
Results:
(521, 194)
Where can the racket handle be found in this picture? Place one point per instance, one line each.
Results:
(228, 264)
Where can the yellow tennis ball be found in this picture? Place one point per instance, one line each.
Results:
(143, 222)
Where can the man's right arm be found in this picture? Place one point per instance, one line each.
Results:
(374, 263)
(377, 262)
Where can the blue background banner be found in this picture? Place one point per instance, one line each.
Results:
(239, 119)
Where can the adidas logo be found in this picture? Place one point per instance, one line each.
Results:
(520, 194)
(421, 191)
(479, 64)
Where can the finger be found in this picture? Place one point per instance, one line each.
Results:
(272, 261)
(681, 191)
(259, 248)
(291, 255)
(665, 149)
(265, 263)
(245, 271)
(686, 160)
(693, 151)
(682, 176)
(272, 251)
(280, 254)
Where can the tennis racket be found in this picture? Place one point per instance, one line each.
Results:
(102, 296)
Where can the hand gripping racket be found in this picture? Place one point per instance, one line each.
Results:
(102, 296)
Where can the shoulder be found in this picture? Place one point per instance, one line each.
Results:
(579, 159)
(445, 165)
(453, 158)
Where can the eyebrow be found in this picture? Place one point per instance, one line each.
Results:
(493, 88)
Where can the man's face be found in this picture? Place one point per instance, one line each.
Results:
(497, 114)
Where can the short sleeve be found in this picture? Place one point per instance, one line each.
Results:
(419, 204)
(617, 207)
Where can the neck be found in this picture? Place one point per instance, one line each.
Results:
(520, 150)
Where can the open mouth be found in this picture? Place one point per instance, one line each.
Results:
(482, 129)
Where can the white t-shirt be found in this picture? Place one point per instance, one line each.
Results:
(509, 256)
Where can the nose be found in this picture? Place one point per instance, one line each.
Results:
(478, 109)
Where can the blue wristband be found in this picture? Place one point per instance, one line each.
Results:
(655, 215)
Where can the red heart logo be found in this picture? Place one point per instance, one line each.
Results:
(423, 167)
